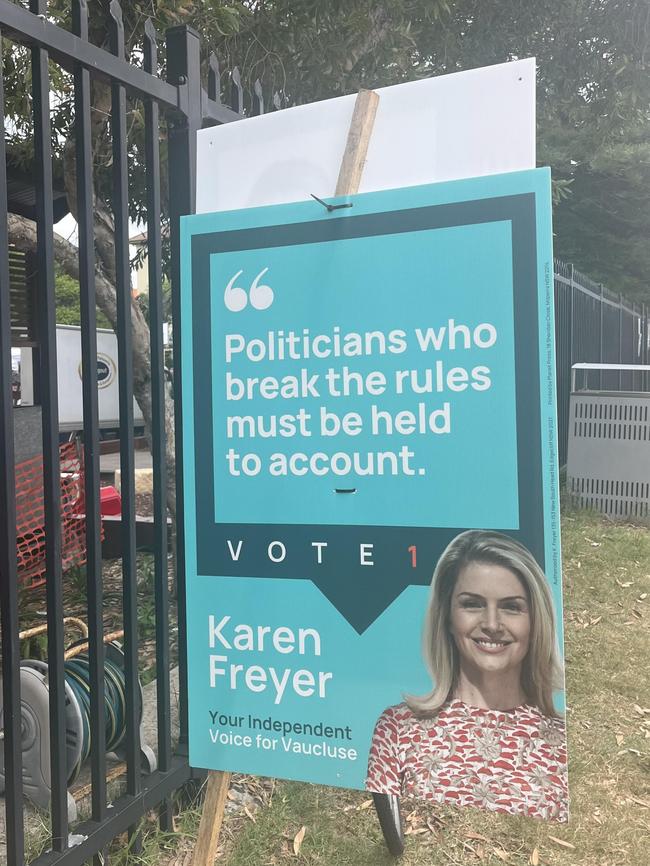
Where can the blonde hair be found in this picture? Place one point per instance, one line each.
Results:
(541, 669)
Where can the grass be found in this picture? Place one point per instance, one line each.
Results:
(607, 604)
(607, 619)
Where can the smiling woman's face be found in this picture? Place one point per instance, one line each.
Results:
(490, 618)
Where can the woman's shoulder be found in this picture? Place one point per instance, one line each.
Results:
(397, 715)
(457, 712)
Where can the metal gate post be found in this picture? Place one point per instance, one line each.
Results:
(183, 69)
(50, 433)
(9, 645)
(94, 578)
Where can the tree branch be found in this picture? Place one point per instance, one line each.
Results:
(378, 29)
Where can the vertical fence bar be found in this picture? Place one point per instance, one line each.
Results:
(633, 353)
(639, 353)
(258, 99)
(601, 337)
(94, 584)
(214, 79)
(571, 357)
(125, 363)
(158, 431)
(562, 350)
(236, 91)
(50, 423)
(636, 345)
(183, 68)
(644, 345)
(572, 289)
(11, 715)
(620, 339)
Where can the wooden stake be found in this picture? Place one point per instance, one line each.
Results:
(356, 149)
(352, 164)
(214, 806)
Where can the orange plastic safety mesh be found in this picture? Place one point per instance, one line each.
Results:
(30, 515)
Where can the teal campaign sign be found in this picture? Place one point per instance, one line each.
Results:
(359, 386)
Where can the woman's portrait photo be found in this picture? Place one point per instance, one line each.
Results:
(488, 734)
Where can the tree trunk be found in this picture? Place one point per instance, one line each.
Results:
(22, 235)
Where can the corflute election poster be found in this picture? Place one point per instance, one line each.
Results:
(371, 504)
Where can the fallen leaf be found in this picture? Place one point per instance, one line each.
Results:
(624, 585)
(366, 804)
(476, 836)
(250, 815)
(596, 621)
(534, 857)
(297, 840)
(619, 739)
(562, 842)
(643, 596)
(501, 854)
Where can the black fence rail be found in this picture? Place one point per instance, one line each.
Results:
(594, 325)
(174, 109)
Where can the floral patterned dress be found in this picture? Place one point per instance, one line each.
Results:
(513, 762)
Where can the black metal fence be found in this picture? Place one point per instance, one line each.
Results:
(180, 106)
(594, 325)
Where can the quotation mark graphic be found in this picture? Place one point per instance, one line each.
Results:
(235, 298)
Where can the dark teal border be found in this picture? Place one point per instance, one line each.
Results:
(359, 596)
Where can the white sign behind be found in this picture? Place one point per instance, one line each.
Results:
(466, 124)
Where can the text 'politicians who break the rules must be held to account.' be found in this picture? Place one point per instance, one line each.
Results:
(335, 383)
